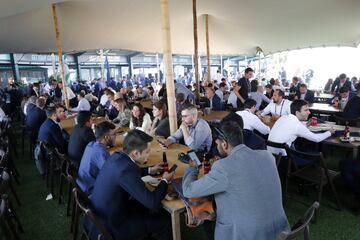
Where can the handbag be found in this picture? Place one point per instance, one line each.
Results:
(197, 209)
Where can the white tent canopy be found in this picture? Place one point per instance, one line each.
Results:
(236, 26)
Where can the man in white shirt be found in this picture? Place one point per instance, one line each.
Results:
(288, 127)
(220, 91)
(83, 104)
(279, 106)
(233, 97)
(250, 120)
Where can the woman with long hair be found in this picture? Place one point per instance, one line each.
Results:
(139, 118)
(160, 125)
(124, 115)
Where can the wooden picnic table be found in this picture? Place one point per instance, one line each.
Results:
(69, 123)
(174, 207)
(213, 115)
(335, 140)
(324, 108)
(323, 97)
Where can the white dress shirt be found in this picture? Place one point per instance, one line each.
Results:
(103, 100)
(70, 93)
(277, 109)
(251, 122)
(220, 94)
(287, 128)
(2, 114)
(83, 105)
(232, 99)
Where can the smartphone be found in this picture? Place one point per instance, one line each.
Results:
(193, 157)
(173, 168)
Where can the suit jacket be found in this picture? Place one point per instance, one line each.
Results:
(336, 85)
(79, 138)
(52, 133)
(119, 181)
(247, 191)
(309, 96)
(216, 103)
(34, 119)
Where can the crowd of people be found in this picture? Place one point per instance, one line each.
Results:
(242, 179)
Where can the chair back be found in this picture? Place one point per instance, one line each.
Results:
(276, 145)
(314, 158)
(83, 203)
(301, 227)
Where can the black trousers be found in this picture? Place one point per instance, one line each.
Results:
(139, 225)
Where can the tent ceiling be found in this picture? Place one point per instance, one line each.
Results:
(236, 26)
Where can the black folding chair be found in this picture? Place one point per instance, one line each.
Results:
(314, 173)
(82, 207)
(302, 225)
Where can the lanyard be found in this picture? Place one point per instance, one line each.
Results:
(282, 105)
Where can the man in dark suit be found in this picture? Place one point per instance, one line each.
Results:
(35, 118)
(34, 90)
(341, 81)
(243, 87)
(352, 108)
(80, 136)
(295, 85)
(50, 131)
(341, 99)
(305, 94)
(121, 199)
(213, 101)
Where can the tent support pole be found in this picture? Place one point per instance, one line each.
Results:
(196, 55)
(60, 53)
(167, 56)
(207, 48)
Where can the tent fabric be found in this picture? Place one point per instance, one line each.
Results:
(236, 26)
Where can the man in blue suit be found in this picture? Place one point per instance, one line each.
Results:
(50, 131)
(120, 198)
(35, 118)
(213, 100)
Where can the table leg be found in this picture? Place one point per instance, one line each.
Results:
(175, 224)
(355, 153)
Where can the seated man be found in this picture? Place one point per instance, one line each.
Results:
(352, 108)
(250, 120)
(83, 104)
(341, 99)
(80, 136)
(220, 92)
(140, 94)
(259, 97)
(120, 197)
(213, 101)
(279, 106)
(35, 118)
(305, 94)
(95, 155)
(241, 182)
(195, 132)
(50, 131)
(288, 127)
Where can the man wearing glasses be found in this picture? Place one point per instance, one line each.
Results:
(195, 132)
(246, 188)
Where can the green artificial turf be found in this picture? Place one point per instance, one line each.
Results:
(45, 220)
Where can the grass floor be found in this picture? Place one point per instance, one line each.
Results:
(45, 220)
